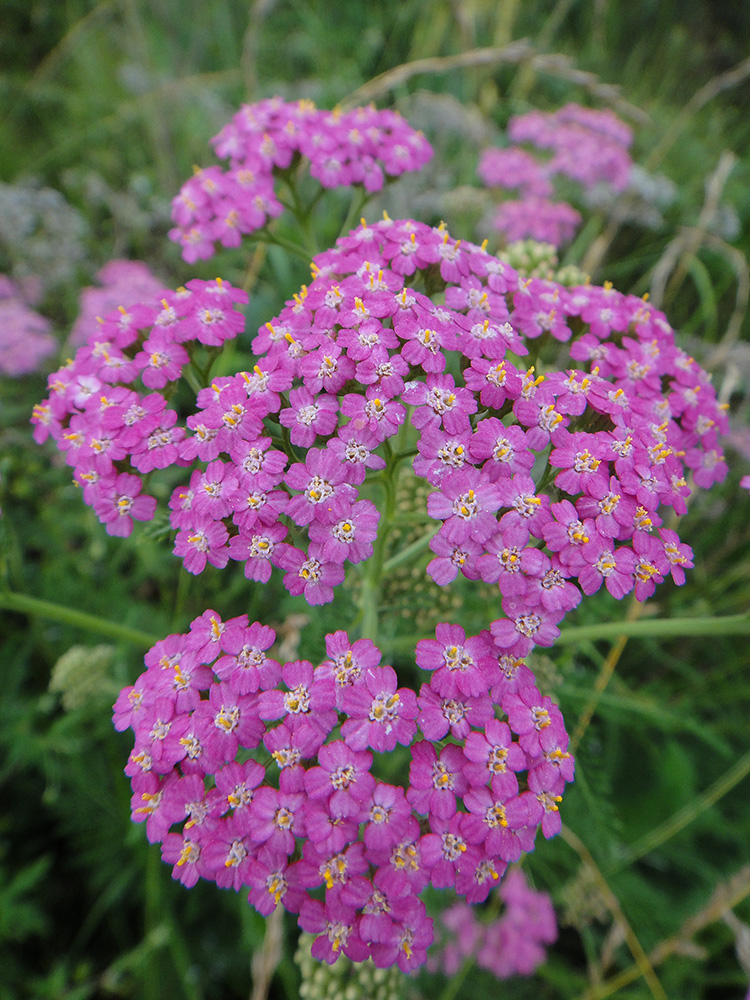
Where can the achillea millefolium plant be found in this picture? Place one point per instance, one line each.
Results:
(558, 428)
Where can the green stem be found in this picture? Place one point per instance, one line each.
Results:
(457, 980)
(290, 245)
(33, 606)
(152, 920)
(358, 202)
(193, 377)
(372, 580)
(370, 599)
(405, 555)
(685, 816)
(657, 628)
(302, 213)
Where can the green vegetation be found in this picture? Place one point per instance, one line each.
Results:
(111, 104)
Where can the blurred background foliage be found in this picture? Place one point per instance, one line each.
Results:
(111, 104)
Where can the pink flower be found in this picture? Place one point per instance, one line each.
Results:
(121, 504)
(380, 716)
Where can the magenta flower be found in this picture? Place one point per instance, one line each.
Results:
(466, 504)
(121, 504)
(461, 666)
(435, 782)
(380, 716)
(523, 629)
(452, 559)
(498, 822)
(275, 817)
(337, 929)
(350, 538)
(226, 720)
(309, 416)
(536, 719)
(679, 555)
(305, 706)
(342, 774)
(326, 496)
(202, 542)
(387, 815)
(273, 880)
(245, 664)
(348, 660)
(494, 756)
(311, 575)
(439, 715)
(185, 854)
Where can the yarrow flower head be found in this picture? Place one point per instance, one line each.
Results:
(585, 145)
(362, 147)
(512, 945)
(246, 773)
(281, 452)
(108, 410)
(25, 338)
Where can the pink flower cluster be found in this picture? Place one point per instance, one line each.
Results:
(258, 775)
(364, 147)
(107, 409)
(336, 372)
(535, 218)
(344, 359)
(586, 145)
(122, 283)
(513, 945)
(25, 340)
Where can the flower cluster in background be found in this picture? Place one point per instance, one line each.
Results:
(540, 260)
(585, 145)
(365, 147)
(299, 809)
(512, 945)
(25, 338)
(122, 283)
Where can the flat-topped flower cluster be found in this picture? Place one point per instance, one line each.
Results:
(512, 945)
(549, 481)
(585, 145)
(258, 775)
(362, 147)
(25, 338)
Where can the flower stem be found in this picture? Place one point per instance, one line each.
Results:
(376, 565)
(357, 203)
(405, 555)
(34, 607)
(644, 966)
(685, 816)
(635, 610)
(369, 600)
(285, 244)
(657, 628)
(457, 979)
